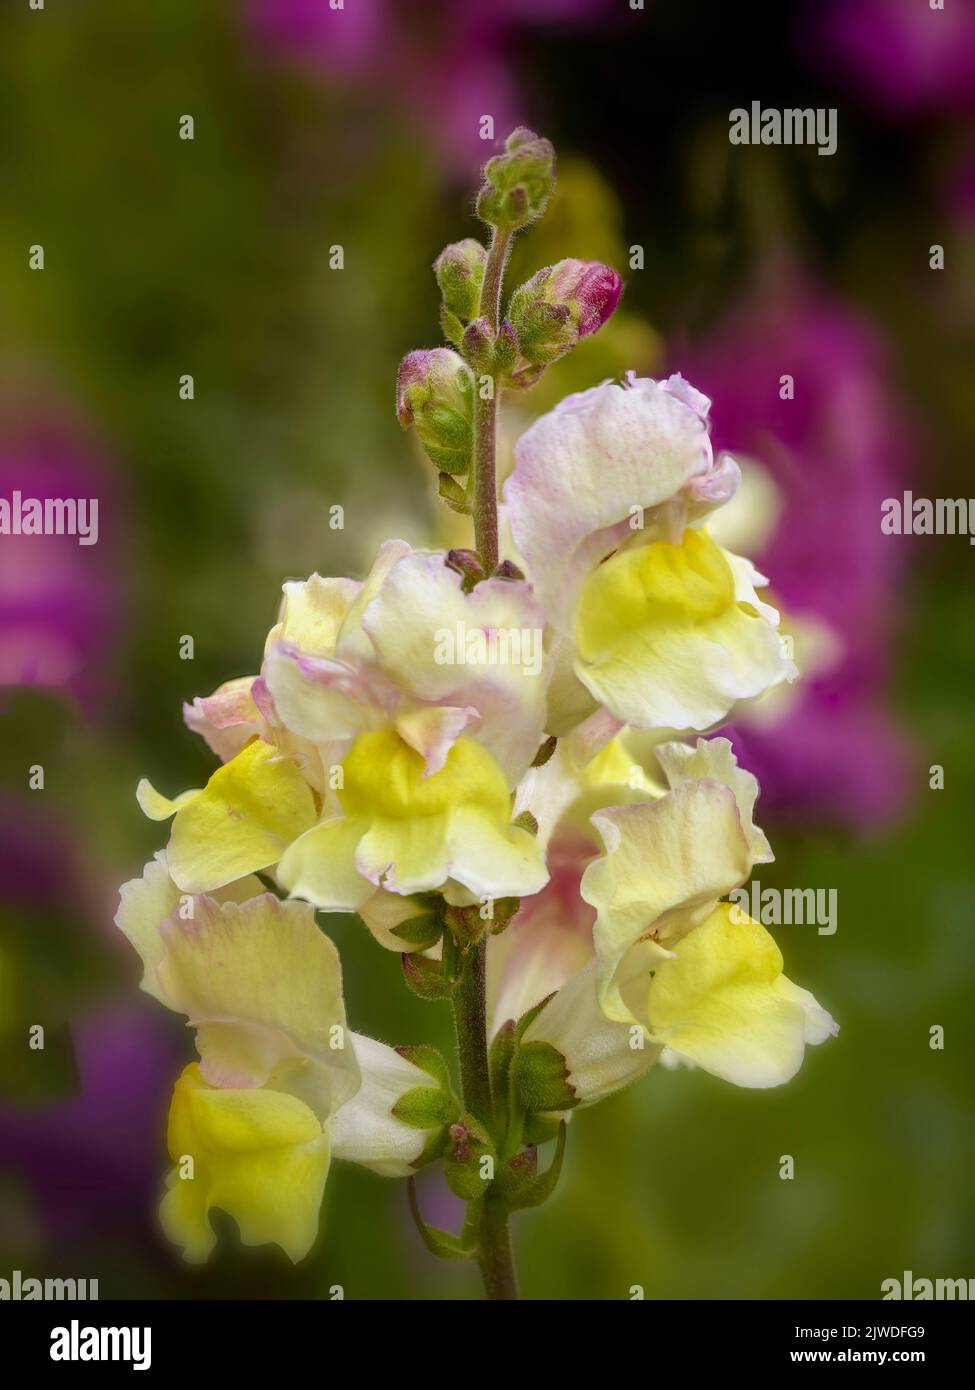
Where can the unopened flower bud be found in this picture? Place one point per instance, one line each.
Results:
(561, 304)
(506, 347)
(518, 183)
(466, 563)
(478, 345)
(435, 392)
(508, 570)
(460, 273)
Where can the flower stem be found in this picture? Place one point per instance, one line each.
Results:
(470, 1012)
(470, 1022)
(485, 506)
(497, 1264)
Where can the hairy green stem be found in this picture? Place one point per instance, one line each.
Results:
(470, 1012)
(470, 1022)
(485, 502)
(485, 508)
(497, 1264)
(497, 262)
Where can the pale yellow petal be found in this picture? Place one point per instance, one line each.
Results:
(250, 811)
(264, 986)
(259, 1155)
(680, 853)
(722, 1002)
(320, 865)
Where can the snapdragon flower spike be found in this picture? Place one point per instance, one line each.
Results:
(258, 1115)
(435, 393)
(651, 619)
(560, 305)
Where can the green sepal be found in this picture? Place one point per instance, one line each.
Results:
(428, 1059)
(541, 1077)
(440, 1243)
(452, 327)
(503, 909)
(523, 1185)
(506, 349)
(545, 752)
(525, 378)
(530, 1015)
(422, 932)
(453, 494)
(469, 1143)
(433, 1148)
(499, 1066)
(540, 1127)
(425, 977)
(425, 1107)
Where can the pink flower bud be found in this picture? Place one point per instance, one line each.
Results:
(591, 290)
(560, 305)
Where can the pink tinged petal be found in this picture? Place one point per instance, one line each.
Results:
(549, 938)
(426, 632)
(717, 486)
(432, 732)
(226, 719)
(587, 467)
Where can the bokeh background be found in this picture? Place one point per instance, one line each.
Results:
(211, 257)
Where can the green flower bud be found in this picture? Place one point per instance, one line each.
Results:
(460, 273)
(435, 392)
(518, 183)
(560, 305)
(478, 345)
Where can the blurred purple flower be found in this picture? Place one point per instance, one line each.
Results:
(445, 61)
(92, 1163)
(59, 600)
(40, 859)
(835, 452)
(901, 56)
